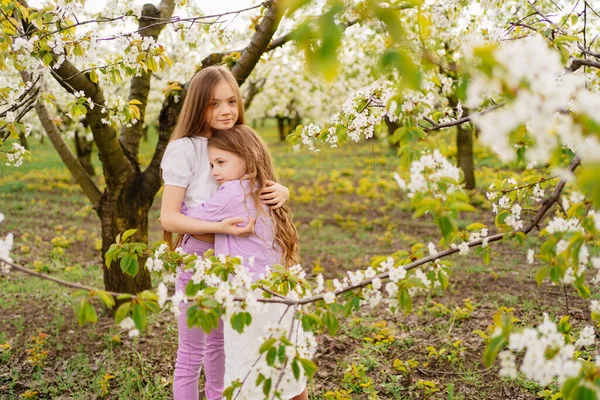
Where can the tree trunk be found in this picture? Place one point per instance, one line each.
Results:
(464, 150)
(84, 149)
(145, 133)
(392, 126)
(295, 121)
(23, 140)
(118, 213)
(281, 127)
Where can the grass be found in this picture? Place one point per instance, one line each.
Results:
(347, 209)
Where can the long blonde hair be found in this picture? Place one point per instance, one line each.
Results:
(242, 141)
(196, 111)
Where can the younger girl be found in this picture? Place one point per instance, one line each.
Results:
(213, 101)
(241, 163)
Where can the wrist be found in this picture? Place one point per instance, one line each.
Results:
(220, 228)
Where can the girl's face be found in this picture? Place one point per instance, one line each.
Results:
(225, 166)
(223, 107)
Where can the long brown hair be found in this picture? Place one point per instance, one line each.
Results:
(196, 112)
(242, 141)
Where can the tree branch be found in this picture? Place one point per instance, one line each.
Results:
(577, 63)
(216, 58)
(460, 120)
(82, 178)
(116, 166)
(259, 43)
(541, 212)
(140, 85)
(56, 280)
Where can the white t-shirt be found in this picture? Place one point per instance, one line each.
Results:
(185, 164)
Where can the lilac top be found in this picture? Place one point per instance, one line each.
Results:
(231, 200)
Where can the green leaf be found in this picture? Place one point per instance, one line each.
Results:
(569, 386)
(540, 275)
(271, 354)
(139, 316)
(447, 226)
(94, 76)
(588, 182)
(85, 312)
(267, 387)
(487, 255)
(129, 264)
(309, 367)
(405, 301)
(475, 226)
(310, 320)
(240, 320)
(191, 289)
(110, 254)
(331, 322)
(127, 234)
(501, 217)
(443, 278)
(520, 237)
(290, 6)
(296, 369)
(583, 392)
(267, 345)
(122, 312)
(107, 298)
(492, 349)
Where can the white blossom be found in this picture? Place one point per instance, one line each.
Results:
(530, 254)
(329, 297)
(162, 294)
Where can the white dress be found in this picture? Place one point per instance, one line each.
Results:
(243, 360)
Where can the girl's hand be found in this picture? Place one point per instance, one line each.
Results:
(229, 226)
(274, 195)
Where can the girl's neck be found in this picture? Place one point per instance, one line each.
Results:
(205, 134)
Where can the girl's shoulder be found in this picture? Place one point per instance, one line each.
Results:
(233, 188)
(186, 147)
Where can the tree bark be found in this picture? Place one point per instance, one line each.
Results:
(140, 85)
(119, 212)
(281, 127)
(23, 140)
(259, 43)
(254, 88)
(83, 149)
(392, 126)
(82, 178)
(464, 154)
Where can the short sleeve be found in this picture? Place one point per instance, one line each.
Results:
(223, 204)
(178, 163)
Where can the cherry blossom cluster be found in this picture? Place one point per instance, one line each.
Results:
(539, 94)
(428, 172)
(16, 155)
(358, 117)
(549, 355)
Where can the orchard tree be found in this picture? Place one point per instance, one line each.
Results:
(527, 72)
(59, 42)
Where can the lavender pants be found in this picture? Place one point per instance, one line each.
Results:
(196, 348)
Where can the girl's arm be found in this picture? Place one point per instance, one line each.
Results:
(172, 220)
(274, 195)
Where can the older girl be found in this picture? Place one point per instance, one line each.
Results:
(213, 101)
